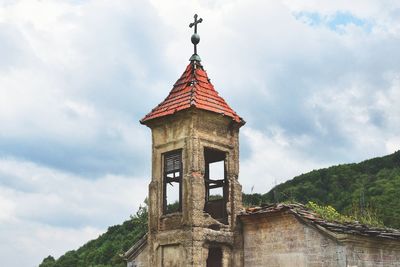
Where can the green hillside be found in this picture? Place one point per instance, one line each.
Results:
(106, 249)
(370, 185)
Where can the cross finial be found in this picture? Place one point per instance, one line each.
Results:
(195, 37)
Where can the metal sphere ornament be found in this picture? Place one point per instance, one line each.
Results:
(195, 38)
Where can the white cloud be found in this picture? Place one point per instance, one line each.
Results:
(26, 243)
(45, 211)
(78, 84)
(274, 158)
(367, 117)
(7, 208)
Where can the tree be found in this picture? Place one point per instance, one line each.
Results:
(49, 261)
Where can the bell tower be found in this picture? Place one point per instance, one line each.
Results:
(194, 193)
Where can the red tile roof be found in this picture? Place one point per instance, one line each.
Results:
(193, 89)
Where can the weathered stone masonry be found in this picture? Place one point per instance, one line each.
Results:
(191, 232)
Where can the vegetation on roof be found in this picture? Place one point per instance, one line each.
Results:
(329, 213)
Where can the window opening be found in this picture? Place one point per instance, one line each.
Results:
(216, 184)
(172, 182)
(217, 174)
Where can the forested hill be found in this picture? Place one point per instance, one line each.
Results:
(370, 185)
(106, 250)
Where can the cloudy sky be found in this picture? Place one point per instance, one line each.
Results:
(318, 83)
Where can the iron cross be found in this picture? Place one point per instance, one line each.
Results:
(195, 37)
(195, 23)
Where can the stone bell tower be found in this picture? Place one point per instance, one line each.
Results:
(194, 194)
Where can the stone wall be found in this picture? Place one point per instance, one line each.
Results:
(372, 253)
(282, 241)
(141, 259)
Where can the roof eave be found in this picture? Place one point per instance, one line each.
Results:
(136, 248)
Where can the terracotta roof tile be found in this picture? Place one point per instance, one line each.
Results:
(193, 89)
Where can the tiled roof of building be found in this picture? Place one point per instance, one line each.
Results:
(136, 248)
(308, 216)
(193, 89)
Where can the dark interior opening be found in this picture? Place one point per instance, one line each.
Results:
(214, 258)
(215, 227)
(216, 184)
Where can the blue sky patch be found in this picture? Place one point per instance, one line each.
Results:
(334, 22)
